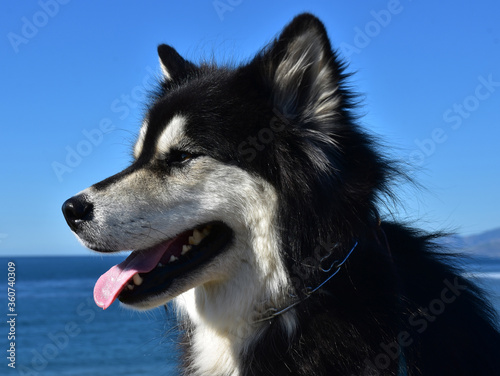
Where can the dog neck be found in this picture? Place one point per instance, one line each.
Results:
(223, 315)
(222, 322)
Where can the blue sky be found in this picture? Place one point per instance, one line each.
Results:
(73, 76)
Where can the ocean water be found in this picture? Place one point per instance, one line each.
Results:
(60, 331)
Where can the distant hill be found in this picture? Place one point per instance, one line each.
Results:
(483, 244)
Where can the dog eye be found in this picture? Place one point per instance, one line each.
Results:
(179, 156)
(184, 156)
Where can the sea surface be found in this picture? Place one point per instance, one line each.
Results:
(60, 331)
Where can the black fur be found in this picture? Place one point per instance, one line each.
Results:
(398, 285)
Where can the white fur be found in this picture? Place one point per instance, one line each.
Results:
(171, 135)
(140, 140)
(164, 70)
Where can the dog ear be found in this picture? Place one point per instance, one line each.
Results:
(173, 65)
(302, 70)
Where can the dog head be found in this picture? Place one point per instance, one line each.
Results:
(237, 174)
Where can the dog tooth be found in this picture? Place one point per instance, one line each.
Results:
(173, 258)
(191, 240)
(137, 279)
(159, 265)
(130, 286)
(185, 249)
(205, 231)
(197, 236)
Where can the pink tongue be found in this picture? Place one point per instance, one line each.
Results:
(111, 283)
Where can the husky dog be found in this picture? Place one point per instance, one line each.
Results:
(252, 204)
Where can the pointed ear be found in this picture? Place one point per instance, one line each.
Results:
(173, 65)
(302, 70)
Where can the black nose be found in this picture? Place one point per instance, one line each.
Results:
(77, 210)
